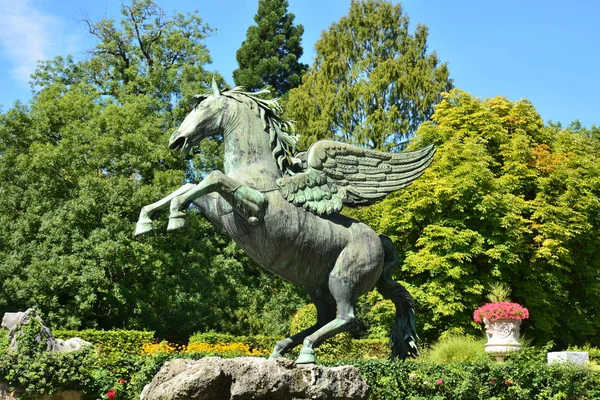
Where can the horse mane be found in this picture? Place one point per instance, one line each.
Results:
(281, 133)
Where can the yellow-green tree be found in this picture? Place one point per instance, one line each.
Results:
(507, 199)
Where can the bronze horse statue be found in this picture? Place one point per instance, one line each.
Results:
(283, 208)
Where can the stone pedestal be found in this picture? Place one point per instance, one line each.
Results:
(579, 358)
(6, 394)
(503, 337)
(214, 378)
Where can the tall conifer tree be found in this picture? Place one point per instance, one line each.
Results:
(269, 55)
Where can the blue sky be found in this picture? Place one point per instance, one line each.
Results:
(545, 51)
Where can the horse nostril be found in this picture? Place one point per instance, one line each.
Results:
(177, 144)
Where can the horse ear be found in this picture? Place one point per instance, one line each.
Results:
(215, 88)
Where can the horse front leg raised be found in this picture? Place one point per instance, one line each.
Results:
(144, 223)
(248, 202)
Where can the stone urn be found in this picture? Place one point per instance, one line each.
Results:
(503, 337)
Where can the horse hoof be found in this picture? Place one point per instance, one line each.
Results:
(275, 355)
(143, 227)
(176, 223)
(307, 356)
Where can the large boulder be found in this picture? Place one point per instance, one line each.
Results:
(214, 378)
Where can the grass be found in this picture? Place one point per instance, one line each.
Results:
(456, 349)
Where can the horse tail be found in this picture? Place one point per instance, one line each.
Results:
(404, 333)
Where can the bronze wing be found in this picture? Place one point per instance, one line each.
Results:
(339, 174)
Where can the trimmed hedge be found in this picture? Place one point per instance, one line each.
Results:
(479, 380)
(121, 341)
(257, 342)
(342, 347)
(515, 379)
(523, 376)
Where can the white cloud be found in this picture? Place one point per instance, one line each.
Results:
(28, 35)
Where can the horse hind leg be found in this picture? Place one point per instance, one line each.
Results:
(144, 223)
(355, 272)
(325, 305)
(345, 320)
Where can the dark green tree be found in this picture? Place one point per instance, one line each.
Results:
(79, 162)
(372, 83)
(269, 55)
(147, 52)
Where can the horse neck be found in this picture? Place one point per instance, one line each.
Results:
(248, 150)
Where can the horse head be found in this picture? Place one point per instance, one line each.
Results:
(219, 113)
(203, 121)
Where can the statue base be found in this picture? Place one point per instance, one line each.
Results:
(253, 378)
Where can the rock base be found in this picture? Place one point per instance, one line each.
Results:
(7, 394)
(214, 378)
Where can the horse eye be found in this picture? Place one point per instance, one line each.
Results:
(199, 104)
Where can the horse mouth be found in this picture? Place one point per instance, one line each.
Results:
(178, 143)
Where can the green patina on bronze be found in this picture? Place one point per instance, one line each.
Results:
(282, 209)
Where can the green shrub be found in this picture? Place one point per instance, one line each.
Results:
(258, 342)
(120, 341)
(4, 341)
(47, 373)
(456, 349)
(377, 314)
(368, 349)
(143, 376)
(111, 364)
(342, 348)
(261, 342)
(33, 371)
(304, 318)
(523, 376)
(214, 338)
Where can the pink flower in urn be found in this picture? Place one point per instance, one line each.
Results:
(439, 382)
(502, 310)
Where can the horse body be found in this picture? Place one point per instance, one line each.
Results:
(299, 246)
(335, 257)
(286, 245)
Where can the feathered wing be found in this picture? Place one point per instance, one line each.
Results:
(339, 174)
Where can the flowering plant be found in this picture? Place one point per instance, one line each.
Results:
(501, 310)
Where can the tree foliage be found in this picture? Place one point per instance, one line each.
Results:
(147, 52)
(77, 165)
(270, 54)
(372, 83)
(506, 200)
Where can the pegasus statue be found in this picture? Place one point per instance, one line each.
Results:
(283, 209)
